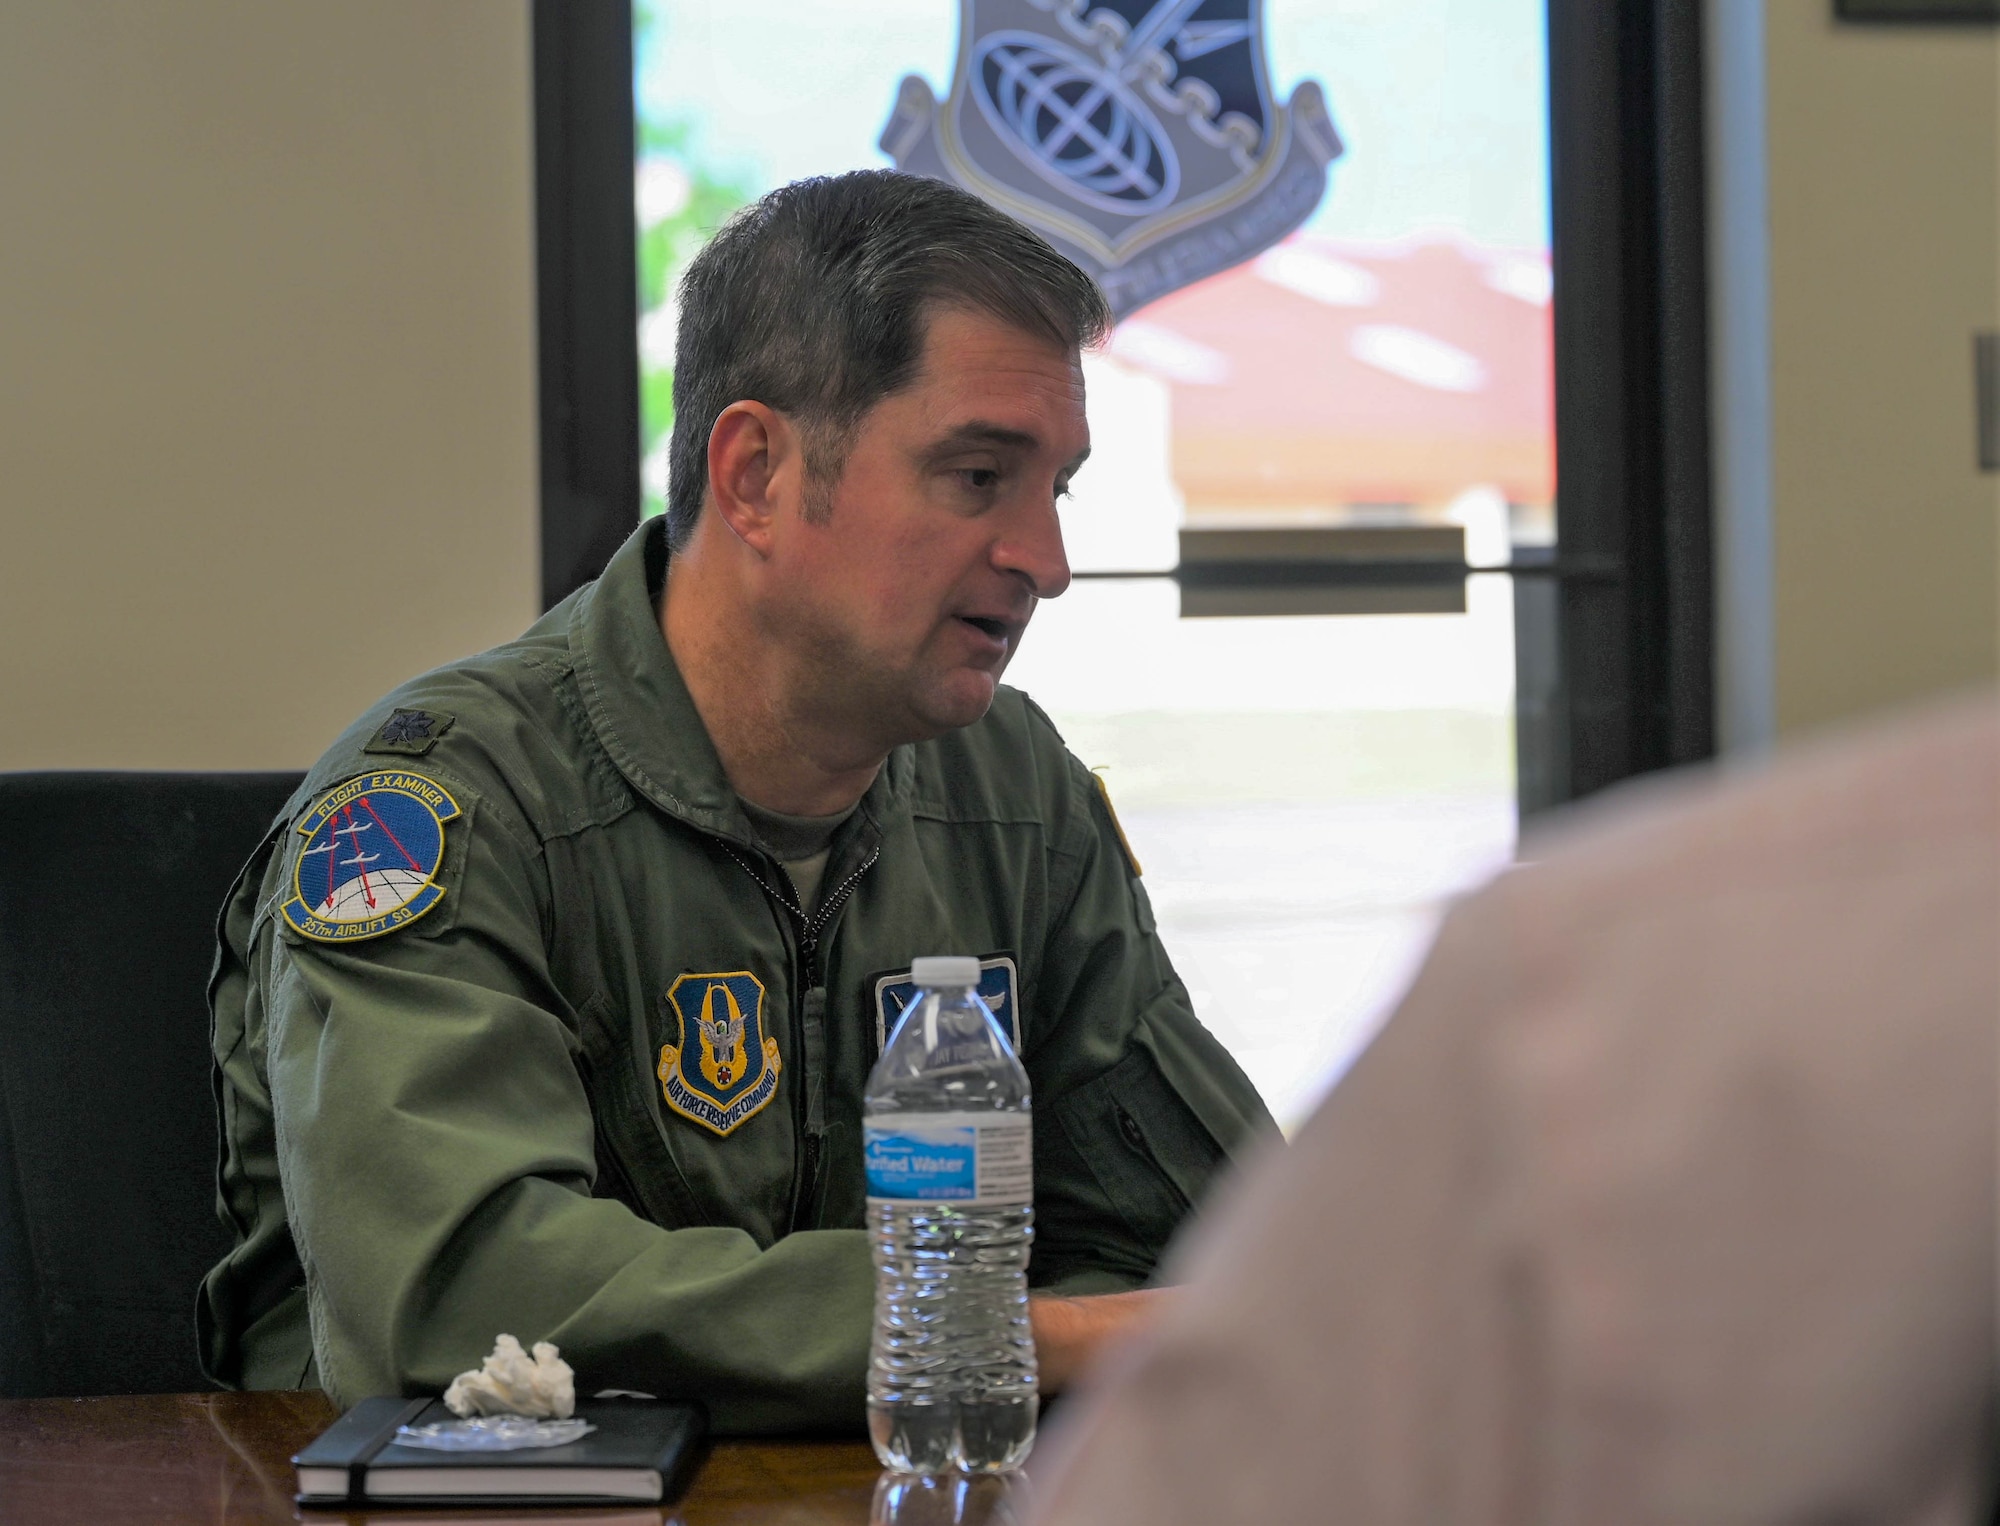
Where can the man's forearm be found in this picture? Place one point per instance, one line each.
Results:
(1070, 1332)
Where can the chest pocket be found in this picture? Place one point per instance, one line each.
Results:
(633, 1162)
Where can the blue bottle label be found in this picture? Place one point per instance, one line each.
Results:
(970, 1158)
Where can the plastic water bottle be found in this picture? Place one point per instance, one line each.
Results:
(949, 1151)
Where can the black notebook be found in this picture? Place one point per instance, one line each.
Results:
(640, 1451)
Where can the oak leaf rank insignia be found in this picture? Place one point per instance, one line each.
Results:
(414, 732)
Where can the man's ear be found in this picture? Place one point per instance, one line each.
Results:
(755, 471)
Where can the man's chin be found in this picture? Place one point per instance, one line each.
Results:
(956, 703)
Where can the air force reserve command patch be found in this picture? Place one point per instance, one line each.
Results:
(371, 856)
(997, 987)
(722, 1067)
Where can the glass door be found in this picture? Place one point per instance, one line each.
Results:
(1302, 700)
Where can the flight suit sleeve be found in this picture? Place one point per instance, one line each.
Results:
(437, 1151)
(1137, 1108)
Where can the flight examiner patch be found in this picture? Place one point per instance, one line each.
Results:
(724, 1067)
(371, 857)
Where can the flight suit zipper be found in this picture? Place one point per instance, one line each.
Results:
(809, 1023)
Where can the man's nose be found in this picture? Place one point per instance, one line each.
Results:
(1032, 547)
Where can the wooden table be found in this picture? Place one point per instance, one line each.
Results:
(223, 1459)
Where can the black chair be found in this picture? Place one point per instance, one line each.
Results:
(109, 888)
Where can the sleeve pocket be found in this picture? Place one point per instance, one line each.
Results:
(1148, 1154)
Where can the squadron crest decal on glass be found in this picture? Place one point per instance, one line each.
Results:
(1139, 136)
(371, 856)
(724, 1067)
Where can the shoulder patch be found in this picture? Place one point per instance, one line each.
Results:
(370, 859)
(724, 1067)
(1117, 826)
(412, 732)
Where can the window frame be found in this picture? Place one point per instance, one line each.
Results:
(587, 287)
(1615, 646)
(1614, 628)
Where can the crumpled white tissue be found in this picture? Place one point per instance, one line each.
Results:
(509, 1383)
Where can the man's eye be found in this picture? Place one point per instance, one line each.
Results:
(980, 477)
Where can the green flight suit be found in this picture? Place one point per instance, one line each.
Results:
(459, 1127)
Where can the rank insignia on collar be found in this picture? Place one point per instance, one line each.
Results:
(998, 985)
(723, 1068)
(414, 732)
(371, 856)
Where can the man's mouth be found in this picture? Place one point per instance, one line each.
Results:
(997, 629)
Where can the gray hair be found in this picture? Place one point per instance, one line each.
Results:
(814, 302)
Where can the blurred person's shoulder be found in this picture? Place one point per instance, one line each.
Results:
(1916, 788)
(1670, 940)
(1679, 1125)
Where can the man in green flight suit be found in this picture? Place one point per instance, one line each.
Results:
(547, 1005)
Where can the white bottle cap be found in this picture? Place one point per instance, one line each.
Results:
(940, 971)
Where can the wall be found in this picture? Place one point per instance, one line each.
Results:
(267, 408)
(1884, 249)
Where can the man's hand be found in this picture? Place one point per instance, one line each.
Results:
(1069, 1332)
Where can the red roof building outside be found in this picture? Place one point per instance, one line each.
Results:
(1334, 376)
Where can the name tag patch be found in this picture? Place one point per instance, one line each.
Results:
(998, 985)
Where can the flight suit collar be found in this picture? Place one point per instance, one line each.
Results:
(645, 718)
